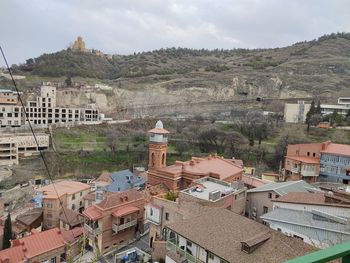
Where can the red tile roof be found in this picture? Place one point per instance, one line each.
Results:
(72, 235)
(338, 149)
(253, 181)
(213, 166)
(93, 213)
(304, 159)
(125, 211)
(115, 199)
(62, 188)
(159, 131)
(34, 245)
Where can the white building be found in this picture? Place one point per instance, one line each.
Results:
(296, 112)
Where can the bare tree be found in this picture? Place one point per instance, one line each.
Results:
(111, 140)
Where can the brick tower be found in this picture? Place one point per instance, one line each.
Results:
(158, 144)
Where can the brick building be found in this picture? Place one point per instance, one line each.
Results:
(181, 174)
(114, 221)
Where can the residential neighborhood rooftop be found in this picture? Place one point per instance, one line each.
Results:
(62, 188)
(338, 149)
(222, 232)
(283, 188)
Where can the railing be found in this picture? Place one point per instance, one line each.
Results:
(117, 228)
(94, 231)
(308, 173)
(175, 248)
(340, 251)
(295, 170)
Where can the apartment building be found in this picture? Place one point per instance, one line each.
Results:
(11, 114)
(219, 235)
(13, 146)
(53, 245)
(312, 217)
(70, 193)
(302, 162)
(296, 113)
(114, 221)
(259, 199)
(335, 163)
(325, 162)
(203, 194)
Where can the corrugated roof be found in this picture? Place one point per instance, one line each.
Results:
(283, 188)
(338, 149)
(304, 159)
(221, 231)
(33, 245)
(124, 180)
(305, 218)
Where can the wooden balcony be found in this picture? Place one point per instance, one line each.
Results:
(117, 228)
(93, 231)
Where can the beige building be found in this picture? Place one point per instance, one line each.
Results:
(13, 146)
(10, 113)
(205, 193)
(296, 113)
(70, 193)
(259, 200)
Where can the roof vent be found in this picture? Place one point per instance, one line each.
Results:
(249, 245)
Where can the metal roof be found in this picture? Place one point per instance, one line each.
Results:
(306, 219)
(124, 180)
(283, 188)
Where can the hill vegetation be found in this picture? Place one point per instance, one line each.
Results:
(327, 48)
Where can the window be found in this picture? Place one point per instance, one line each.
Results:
(314, 154)
(276, 196)
(73, 206)
(211, 256)
(270, 195)
(265, 209)
(81, 193)
(53, 260)
(81, 203)
(166, 216)
(73, 196)
(188, 243)
(151, 212)
(308, 153)
(49, 205)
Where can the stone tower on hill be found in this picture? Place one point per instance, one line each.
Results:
(79, 45)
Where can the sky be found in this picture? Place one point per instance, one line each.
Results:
(31, 28)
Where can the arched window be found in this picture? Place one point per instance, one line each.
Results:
(163, 159)
(152, 159)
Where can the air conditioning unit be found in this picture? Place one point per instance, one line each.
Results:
(214, 195)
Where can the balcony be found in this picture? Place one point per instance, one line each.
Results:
(171, 246)
(295, 170)
(93, 231)
(117, 228)
(308, 173)
(337, 252)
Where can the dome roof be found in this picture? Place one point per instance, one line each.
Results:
(159, 125)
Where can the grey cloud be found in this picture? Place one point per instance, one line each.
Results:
(123, 27)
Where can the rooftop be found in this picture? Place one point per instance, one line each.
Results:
(307, 198)
(302, 159)
(312, 219)
(283, 188)
(30, 216)
(37, 243)
(213, 166)
(253, 181)
(227, 230)
(338, 149)
(203, 189)
(124, 180)
(62, 188)
(71, 217)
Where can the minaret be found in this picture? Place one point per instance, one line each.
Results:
(158, 144)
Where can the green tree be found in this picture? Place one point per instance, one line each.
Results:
(318, 108)
(68, 81)
(311, 112)
(182, 147)
(7, 232)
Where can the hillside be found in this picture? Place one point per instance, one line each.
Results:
(186, 78)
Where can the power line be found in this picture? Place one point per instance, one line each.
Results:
(35, 138)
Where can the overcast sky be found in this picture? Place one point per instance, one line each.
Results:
(30, 28)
